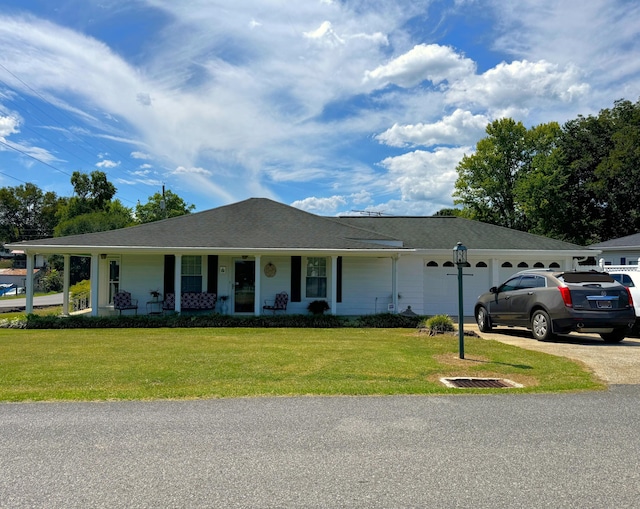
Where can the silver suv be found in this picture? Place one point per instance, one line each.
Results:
(554, 302)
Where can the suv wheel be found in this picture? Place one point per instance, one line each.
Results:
(541, 325)
(483, 320)
(615, 336)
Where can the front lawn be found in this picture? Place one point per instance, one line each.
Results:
(127, 364)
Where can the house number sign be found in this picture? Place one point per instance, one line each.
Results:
(269, 270)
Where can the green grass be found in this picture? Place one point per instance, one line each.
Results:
(128, 364)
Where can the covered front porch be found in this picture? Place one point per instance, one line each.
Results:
(350, 283)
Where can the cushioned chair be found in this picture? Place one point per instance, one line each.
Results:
(123, 301)
(278, 304)
(169, 302)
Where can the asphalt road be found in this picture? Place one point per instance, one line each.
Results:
(497, 451)
(45, 300)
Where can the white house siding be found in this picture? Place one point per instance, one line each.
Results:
(281, 282)
(366, 286)
(139, 274)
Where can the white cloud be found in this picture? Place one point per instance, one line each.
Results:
(320, 205)
(107, 163)
(324, 31)
(143, 98)
(181, 170)
(424, 62)
(140, 155)
(459, 128)
(518, 83)
(8, 125)
(423, 175)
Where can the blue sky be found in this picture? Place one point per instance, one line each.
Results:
(331, 106)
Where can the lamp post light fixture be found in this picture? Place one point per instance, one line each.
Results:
(460, 259)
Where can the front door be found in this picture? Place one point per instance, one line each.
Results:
(244, 286)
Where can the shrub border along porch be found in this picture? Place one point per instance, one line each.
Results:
(386, 320)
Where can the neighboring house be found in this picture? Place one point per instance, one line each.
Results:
(18, 277)
(620, 251)
(251, 250)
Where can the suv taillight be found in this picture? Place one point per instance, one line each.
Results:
(630, 297)
(566, 296)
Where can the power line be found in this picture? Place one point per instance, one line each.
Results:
(46, 164)
(81, 141)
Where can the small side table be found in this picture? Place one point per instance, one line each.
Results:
(154, 307)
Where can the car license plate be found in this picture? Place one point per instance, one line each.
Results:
(603, 304)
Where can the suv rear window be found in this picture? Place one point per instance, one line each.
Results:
(586, 277)
(624, 279)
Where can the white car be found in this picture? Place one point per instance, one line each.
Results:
(629, 277)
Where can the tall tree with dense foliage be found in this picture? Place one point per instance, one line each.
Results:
(579, 182)
(600, 156)
(26, 213)
(162, 206)
(92, 208)
(494, 183)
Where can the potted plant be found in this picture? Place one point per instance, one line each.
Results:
(223, 307)
(318, 307)
(155, 294)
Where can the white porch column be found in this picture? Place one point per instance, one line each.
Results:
(334, 284)
(95, 283)
(257, 294)
(65, 284)
(177, 283)
(28, 283)
(394, 282)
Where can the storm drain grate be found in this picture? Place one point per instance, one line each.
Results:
(479, 383)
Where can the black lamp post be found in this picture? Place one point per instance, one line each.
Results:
(460, 259)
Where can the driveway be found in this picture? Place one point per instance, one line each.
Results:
(614, 364)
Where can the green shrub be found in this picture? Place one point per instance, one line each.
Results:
(80, 288)
(438, 324)
(184, 320)
(318, 307)
(52, 281)
(387, 321)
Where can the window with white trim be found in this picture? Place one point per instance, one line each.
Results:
(316, 277)
(191, 274)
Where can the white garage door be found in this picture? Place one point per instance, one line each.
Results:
(441, 289)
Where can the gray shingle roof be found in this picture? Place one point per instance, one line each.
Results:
(442, 232)
(260, 223)
(631, 241)
(256, 223)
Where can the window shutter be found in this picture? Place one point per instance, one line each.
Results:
(212, 274)
(339, 280)
(296, 274)
(169, 274)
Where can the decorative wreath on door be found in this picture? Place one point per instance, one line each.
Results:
(270, 270)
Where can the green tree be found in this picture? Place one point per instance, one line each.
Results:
(162, 206)
(600, 158)
(541, 192)
(492, 182)
(115, 216)
(92, 193)
(26, 213)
